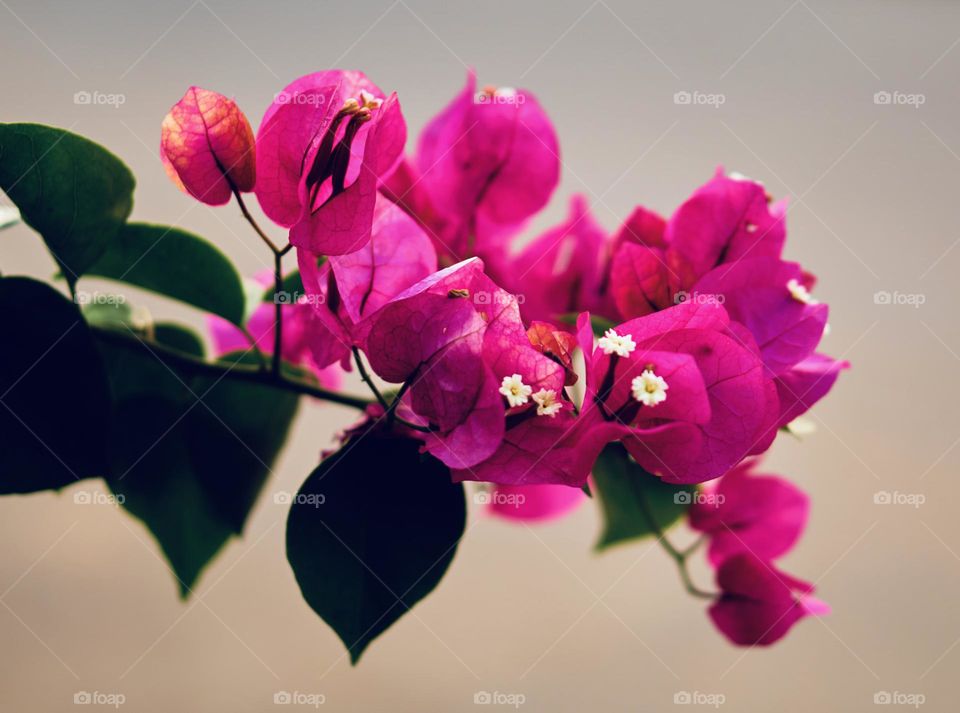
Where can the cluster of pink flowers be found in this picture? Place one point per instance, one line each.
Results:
(712, 337)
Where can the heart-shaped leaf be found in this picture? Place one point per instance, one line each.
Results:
(177, 264)
(630, 497)
(76, 194)
(54, 397)
(190, 451)
(371, 533)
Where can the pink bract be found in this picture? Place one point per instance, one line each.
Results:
(484, 164)
(207, 147)
(323, 147)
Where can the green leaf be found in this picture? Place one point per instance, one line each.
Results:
(177, 264)
(190, 451)
(180, 338)
(54, 397)
(371, 533)
(76, 194)
(629, 496)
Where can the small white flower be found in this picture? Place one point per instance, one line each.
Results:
(515, 390)
(799, 292)
(613, 343)
(649, 389)
(547, 404)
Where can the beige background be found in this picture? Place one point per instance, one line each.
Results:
(87, 604)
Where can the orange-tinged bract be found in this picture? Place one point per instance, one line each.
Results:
(207, 147)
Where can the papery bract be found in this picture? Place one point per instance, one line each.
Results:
(721, 405)
(561, 271)
(484, 164)
(323, 147)
(805, 383)
(207, 147)
(759, 604)
(746, 512)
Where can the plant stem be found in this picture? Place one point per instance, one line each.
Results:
(368, 381)
(250, 219)
(240, 372)
(278, 307)
(680, 557)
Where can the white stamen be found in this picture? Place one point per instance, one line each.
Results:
(369, 101)
(547, 404)
(649, 389)
(516, 392)
(799, 292)
(613, 343)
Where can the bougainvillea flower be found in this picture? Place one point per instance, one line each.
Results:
(561, 271)
(207, 147)
(324, 145)
(484, 165)
(534, 503)
(725, 220)
(300, 329)
(458, 341)
(344, 289)
(690, 399)
(801, 386)
(759, 604)
(655, 262)
(768, 297)
(746, 512)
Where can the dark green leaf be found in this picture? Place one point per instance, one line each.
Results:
(76, 194)
(179, 337)
(54, 397)
(630, 496)
(371, 533)
(177, 264)
(190, 451)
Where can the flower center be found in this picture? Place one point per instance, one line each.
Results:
(547, 404)
(516, 392)
(333, 157)
(649, 389)
(619, 344)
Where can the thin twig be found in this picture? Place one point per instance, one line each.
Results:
(239, 372)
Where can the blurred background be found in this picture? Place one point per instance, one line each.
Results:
(850, 109)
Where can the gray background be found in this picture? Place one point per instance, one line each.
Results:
(88, 606)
